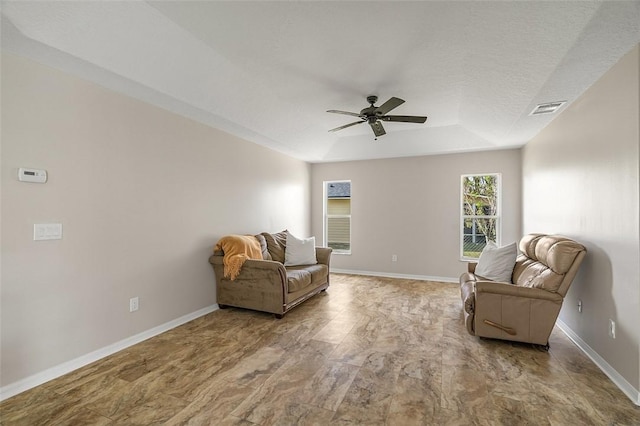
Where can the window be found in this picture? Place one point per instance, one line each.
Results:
(337, 216)
(480, 210)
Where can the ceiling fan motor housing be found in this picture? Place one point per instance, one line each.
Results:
(368, 112)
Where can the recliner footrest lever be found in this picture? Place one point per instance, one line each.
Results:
(507, 330)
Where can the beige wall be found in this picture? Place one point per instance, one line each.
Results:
(142, 194)
(580, 178)
(410, 207)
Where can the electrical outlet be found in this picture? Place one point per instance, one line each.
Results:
(133, 304)
(612, 329)
(394, 257)
(579, 306)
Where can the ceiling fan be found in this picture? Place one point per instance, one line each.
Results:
(375, 115)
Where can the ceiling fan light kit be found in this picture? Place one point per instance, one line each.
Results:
(374, 116)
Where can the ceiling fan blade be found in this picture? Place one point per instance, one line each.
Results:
(389, 105)
(346, 125)
(335, 111)
(377, 128)
(404, 118)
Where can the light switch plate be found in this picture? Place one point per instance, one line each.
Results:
(47, 231)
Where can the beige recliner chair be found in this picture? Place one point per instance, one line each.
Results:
(525, 310)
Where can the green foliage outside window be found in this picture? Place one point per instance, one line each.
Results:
(480, 212)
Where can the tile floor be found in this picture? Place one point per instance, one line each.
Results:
(369, 350)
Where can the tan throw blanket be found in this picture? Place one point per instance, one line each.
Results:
(237, 249)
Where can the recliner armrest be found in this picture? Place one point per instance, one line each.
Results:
(468, 296)
(514, 290)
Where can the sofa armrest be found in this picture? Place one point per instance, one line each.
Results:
(266, 265)
(260, 285)
(323, 255)
(252, 264)
(471, 267)
(507, 289)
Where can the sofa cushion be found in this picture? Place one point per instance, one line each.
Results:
(297, 279)
(276, 244)
(319, 272)
(263, 247)
(300, 251)
(496, 263)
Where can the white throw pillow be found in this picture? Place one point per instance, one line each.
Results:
(300, 251)
(496, 263)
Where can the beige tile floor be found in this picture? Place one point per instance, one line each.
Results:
(368, 351)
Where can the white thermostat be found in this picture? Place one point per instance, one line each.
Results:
(32, 175)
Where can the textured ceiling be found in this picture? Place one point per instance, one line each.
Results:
(268, 71)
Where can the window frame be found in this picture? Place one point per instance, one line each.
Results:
(497, 216)
(326, 216)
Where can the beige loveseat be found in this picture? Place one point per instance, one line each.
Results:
(267, 285)
(526, 310)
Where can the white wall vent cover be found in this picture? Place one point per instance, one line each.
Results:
(549, 108)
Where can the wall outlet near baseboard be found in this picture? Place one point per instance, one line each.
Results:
(612, 329)
(394, 257)
(579, 306)
(133, 304)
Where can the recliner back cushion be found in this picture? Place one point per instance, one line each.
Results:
(560, 256)
(544, 261)
(554, 251)
(528, 244)
(538, 275)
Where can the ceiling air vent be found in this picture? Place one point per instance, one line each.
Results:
(548, 108)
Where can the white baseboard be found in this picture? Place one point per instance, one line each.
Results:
(616, 378)
(394, 275)
(59, 370)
